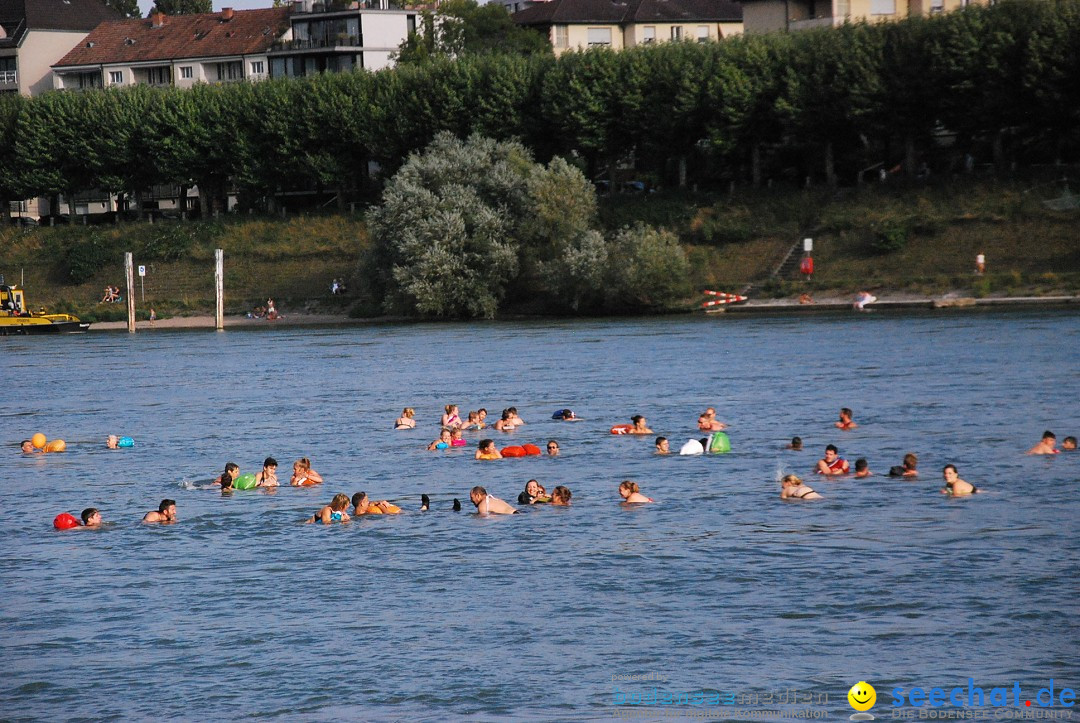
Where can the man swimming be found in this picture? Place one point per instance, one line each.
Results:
(1068, 444)
(833, 463)
(28, 447)
(166, 512)
(845, 420)
(862, 468)
(232, 471)
(796, 444)
(707, 422)
(91, 517)
(488, 505)
(663, 446)
(1047, 445)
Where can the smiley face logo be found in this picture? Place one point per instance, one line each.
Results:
(862, 696)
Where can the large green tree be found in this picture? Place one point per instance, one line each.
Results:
(183, 7)
(126, 8)
(459, 28)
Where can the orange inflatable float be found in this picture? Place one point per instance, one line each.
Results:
(57, 445)
(65, 521)
(622, 429)
(512, 451)
(530, 449)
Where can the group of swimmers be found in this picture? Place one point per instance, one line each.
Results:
(831, 465)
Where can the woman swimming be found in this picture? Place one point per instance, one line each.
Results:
(792, 488)
(560, 496)
(640, 427)
(505, 423)
(336, 511)
(486, 450)
(954, 485)
(303, 475)
(443, 442)
(451, 419)
(406, 421)
(534, 493)
(631, 493)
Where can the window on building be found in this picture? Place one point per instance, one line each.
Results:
(8, 71)
(230, 71)
(703, 33)
(258, 67)
(599, 36)
(676, 32)
(649, 35)
(185, 72)
(562, 36)
(937, 6)
(116, 77)
(410, 23)
(882, 7)
(158, 76)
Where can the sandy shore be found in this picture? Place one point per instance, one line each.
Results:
(897, 301)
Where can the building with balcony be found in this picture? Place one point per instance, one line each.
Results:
(767, 16)
(332, 39)
(579, 24)
(34, 34)
(180, 50)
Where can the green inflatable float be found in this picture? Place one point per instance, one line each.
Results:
(245, 482)
(718, 443)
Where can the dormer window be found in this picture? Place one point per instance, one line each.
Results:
(90, 43)
(129, 41)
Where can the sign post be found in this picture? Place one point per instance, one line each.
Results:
(142, 286)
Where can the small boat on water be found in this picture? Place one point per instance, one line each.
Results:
(15, 318)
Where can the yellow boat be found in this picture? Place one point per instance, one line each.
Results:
(15, 318)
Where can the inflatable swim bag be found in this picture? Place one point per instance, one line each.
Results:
(57, 445)
(125, 442)
(513, 451)
(692, 447)
(530, 449)
(622, 428)
(245, 482)
(38, 440)
(719, 443)
(64, 521)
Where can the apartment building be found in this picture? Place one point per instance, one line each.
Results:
(767, 16)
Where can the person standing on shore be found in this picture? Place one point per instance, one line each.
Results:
(980, 264)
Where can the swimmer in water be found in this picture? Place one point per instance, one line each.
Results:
(486, 450)
(631, 493)
(363, 506)
(27, 447)
(845, 420)
(862, 468)
(451, 419)
(792, 488)
(488, 505)
(833, 463)
(481, 414)
(166, 512)
(1047, 445)
(663, 446)
(518, 421)
(336, 511)
(443, 442)
(707, 422)
(112, 441)
(552, 448)
(303, 475)
(954, 485)
(796, 444)
(505, 423)
(232, 471)
(406, 421)
(456, 440)
(474, 422)
(640, 426)
(1068, 444)
(91, 517)
(560, 496)
(534, 493)
(268, 476)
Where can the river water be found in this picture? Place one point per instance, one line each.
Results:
(241, 610)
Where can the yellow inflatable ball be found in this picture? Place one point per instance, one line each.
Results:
(57, 445)
(38, 440)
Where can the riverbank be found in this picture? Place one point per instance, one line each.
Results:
(761, 306)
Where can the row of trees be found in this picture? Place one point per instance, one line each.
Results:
(828, 102)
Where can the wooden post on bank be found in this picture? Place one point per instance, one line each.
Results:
(129, 271)
(219, 287)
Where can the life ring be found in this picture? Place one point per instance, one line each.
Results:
(622, 429)
(530, 449)
(513, 451)
(245, 482)
(65, 521)
(57, 445)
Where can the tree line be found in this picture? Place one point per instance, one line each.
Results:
(995, 82)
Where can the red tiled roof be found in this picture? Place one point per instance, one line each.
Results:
(57, 14)
(564, 12)
(180, 36)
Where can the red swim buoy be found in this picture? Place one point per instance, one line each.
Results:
(513, 451)
(64, 521)
(806, 266)
(622, 429)
(530, 449)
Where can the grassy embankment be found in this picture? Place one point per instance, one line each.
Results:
(915, 241)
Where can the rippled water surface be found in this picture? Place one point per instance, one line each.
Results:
(240, 610)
